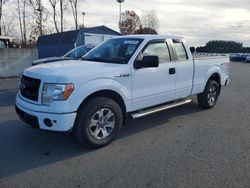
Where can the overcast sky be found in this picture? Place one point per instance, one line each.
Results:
(198, 21)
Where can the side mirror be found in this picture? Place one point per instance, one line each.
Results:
(147, 62)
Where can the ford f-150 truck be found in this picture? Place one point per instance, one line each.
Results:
(136, 75)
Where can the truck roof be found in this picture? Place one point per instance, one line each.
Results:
(150, 37)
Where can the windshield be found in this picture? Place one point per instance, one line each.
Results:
(117, 50)
(78, 52)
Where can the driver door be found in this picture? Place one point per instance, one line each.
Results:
(153, 86)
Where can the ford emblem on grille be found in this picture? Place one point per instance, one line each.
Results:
(22, 86)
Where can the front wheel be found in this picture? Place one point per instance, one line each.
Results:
(98, 122)
(209, 97)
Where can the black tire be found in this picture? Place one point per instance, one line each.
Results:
(209, 97)
(89, 121)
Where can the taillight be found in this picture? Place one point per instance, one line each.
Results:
(227, 65)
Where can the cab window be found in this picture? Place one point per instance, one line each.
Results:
(159, 49)
(180, 50)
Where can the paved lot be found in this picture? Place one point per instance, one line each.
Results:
(8, 84)
(181, 147)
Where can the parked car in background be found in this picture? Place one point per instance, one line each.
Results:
(237, 57)
(7, 42)
(247, 59)
(2, 44)
(73, 54)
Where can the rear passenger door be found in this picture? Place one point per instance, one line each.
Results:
(184, 69)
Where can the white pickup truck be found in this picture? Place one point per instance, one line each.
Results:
(136, 75)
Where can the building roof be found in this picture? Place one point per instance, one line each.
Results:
(70, 37)
(101, 30)
(67, 37)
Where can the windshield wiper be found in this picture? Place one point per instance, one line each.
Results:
(110, 60)
(94, 59)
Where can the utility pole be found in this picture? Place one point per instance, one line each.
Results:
(120, 11)
(40, 17)
(83, 14)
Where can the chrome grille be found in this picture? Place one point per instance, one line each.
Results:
(29, 87)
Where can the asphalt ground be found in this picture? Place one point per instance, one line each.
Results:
(181, 147)
(8, 84)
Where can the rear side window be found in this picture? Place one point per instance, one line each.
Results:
(180, 50)
(159, 49)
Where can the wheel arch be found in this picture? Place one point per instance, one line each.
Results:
(108, 94)
(216, 77)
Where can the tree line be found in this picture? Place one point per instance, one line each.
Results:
(221, 46)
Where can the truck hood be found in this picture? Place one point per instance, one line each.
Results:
(69, 70)
(49, 60)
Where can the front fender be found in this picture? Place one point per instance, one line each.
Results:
(122, 87)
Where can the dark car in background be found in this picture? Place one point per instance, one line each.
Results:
(73, 54)
(247, 59)
(237, 57)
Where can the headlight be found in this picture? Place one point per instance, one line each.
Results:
(56, 92)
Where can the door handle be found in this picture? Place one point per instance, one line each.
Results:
(172, 71)
(122, 75)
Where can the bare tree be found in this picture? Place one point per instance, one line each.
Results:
(21, 10)
(40, 14)
(74, 8)
(8, 27)
(24, 22)
(53, 3)
(150, 20)
(63, 6)
(2, 2)
(20, 19)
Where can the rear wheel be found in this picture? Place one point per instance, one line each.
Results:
(98, 122)
(209, 97)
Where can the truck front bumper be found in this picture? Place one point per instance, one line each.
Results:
(46, 121)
